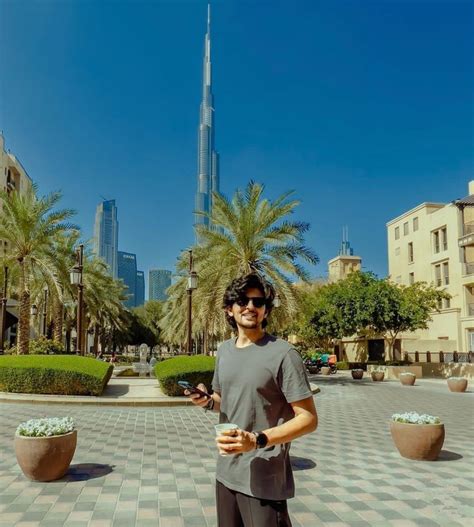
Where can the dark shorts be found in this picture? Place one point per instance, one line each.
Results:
(235, 509)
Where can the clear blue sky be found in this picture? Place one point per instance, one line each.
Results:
(365, 109)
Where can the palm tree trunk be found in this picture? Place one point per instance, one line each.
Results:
(96, 339)
(24, 314)
(58, 321)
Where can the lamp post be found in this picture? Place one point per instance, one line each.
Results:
(192, 285)
(45, 311)
(4, 309)
(277, 301)
(76, 279)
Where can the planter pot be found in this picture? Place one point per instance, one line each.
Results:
(325, 370)
(457, 385)
(357, 374)
(45, 458)
(407, 379)
(420, 442)
(377, 376)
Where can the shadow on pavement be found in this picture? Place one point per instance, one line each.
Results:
(114, 390)
(447, 455)
(86, 471)
(301, 463)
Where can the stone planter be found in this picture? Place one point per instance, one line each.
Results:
(325, 370)
(357, 374)
(45, 458)
(407, 379)
(377, 376)
(457, 384)
(419, 442)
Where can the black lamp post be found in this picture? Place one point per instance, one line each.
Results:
(45, 311)
(192, 285)
(76, 279)
(4, 309)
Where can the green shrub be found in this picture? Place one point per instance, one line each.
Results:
(44, 346)
(53, 374)
(342, 365)
(195, 369)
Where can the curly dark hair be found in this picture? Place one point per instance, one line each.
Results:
(236, 290)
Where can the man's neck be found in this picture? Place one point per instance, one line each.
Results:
(246, 337)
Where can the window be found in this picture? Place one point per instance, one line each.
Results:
(415, 224)
(411, 278)
(439, 304)
(405, 228)
(436, 242)
(410, 252)
(446, 273)
(447, 303)
(444, 238)
(397, 233)
(437, 270)
(397, 251)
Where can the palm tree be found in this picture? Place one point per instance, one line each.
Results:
(29, 225)
(248, 234)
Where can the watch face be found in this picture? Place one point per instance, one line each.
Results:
(262, 440)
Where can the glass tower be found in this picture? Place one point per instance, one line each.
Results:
(140, 289)
(127, 271)
(106, 234)
(158, 282)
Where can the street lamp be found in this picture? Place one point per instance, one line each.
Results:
(33, 310)
(4, 309)
(76, 279)
(192, 285)
(45, 310)
(277, 301)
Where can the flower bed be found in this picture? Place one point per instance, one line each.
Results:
(416, 419)
(45, 427)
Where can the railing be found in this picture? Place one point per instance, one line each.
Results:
(443, 357)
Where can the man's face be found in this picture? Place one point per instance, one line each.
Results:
(248, 315)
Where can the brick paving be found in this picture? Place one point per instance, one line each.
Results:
(155, 466)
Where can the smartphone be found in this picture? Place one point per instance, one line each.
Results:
(188, 386)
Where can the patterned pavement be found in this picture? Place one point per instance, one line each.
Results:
(155, 466)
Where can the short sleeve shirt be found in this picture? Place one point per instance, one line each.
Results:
(257, 384)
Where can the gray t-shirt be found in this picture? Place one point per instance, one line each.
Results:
(257, 384)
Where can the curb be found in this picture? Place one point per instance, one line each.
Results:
(24, 398)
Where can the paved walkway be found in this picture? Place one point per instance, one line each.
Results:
(155, 466)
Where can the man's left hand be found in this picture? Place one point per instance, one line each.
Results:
(236, 441)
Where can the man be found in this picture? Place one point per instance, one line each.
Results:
(260, 384)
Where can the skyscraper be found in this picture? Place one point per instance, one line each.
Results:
(127, 271)
(140, 289)
(158, 282)
(208, 158)
(106, 234)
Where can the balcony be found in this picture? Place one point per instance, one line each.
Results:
(468, 268)
(467, 236)
(470, 310)
(468, 228)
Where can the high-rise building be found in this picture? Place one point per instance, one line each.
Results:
(140, 289)
(208, 158)
(106, 234)
(127, 271)
(158, 282)
(345, 263)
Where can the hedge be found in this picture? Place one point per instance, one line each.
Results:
(54, 374)
(195, 369)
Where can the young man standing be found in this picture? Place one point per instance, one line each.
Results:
(260, 384)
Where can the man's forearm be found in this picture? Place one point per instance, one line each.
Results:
(298, 426)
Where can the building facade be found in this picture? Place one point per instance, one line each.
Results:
(158, 282)
(127, 271)
(208, 158)
(345, 262)
(434, 243)
(106, 235)
(140, 289)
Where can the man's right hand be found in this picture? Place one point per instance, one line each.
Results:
(197, 399)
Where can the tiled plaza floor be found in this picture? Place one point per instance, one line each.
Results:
(155, 466)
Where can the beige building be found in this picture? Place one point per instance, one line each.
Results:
(345, 262)
(434, 243)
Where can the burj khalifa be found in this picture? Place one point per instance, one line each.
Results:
(208, 158)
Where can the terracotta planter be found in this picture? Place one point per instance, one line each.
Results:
(45, 458)
(457, 384)
(407, 379)
(377, 376)
(420, 442)
(357, 374)
(325, 370)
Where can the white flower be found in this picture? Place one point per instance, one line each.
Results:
(416, 419)
(46, 427)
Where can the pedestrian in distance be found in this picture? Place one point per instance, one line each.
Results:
(260, 385)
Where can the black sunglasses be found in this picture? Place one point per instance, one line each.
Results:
(257, 301)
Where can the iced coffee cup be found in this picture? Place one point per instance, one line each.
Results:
(223, 427)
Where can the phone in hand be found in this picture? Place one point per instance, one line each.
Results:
(190, 387)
